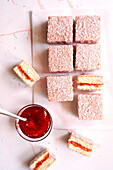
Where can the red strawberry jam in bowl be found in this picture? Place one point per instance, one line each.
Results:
(38, 124)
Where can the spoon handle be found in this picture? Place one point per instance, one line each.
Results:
(4, 112)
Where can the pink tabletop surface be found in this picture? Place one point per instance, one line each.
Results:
(15, 45)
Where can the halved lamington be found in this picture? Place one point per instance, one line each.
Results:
(42, 161)
(80, 144)
(89, 82)
(26, 73)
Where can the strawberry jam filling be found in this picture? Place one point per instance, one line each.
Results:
(80, 146)
(83, 84)
(41, 162)
(24, 73)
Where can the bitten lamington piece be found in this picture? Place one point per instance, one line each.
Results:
(89, 82)
(60, 29)
(60, 88)
(42, 161)
(88, 57)
(80, 144)
(90, 106)
(60, 58)
(87, 29)
(26, 73)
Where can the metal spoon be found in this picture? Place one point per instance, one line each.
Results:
(4, 112)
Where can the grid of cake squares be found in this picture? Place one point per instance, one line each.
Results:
(87, 29)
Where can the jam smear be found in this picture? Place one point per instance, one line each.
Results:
(82, 84)
(38, 122)
(24, 73)
(40, 162)
(80, 146)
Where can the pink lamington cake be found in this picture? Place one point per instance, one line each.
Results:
(80, 144)
(60, 88)
(88, 57)
(60, 58)
(43, 160)
(60, 29)
(90, 106)
(26, 73)
(87, 29)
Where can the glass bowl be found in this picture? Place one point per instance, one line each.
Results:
(20, 131)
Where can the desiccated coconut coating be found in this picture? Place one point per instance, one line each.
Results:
(88, 57)
(87, 28)
(60, 58)
(60, 29)
(90, 106)
(60, 88)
